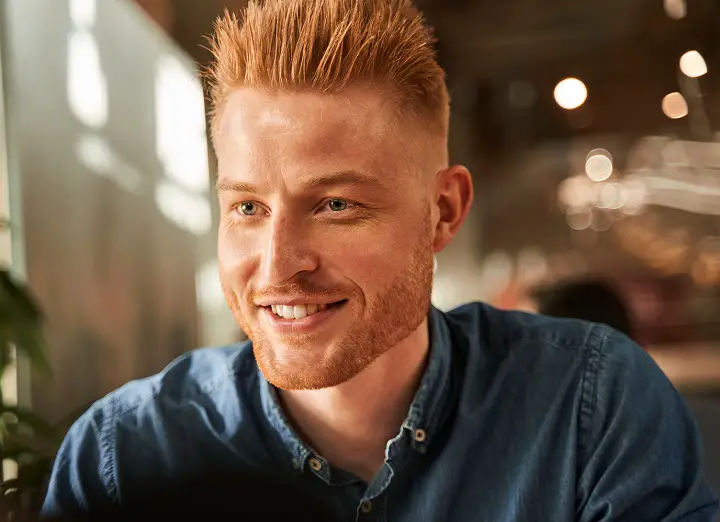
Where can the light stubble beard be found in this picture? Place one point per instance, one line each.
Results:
(392, 317)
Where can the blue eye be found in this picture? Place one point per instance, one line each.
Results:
(248, 208)
(337, 205)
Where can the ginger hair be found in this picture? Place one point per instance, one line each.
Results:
(326, 46)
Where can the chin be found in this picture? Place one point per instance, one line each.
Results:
(320, 366)
(293, 378)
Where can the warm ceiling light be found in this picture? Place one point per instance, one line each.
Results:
(570, 93)
(674, 106)
(692, 64)
(599, 165)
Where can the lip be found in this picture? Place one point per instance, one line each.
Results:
(304, 325)
(296, 301)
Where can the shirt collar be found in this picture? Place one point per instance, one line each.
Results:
(299, 451)
(431, 399)
(424, 416)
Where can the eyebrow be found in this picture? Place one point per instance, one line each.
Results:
(229, 185)
(348, 177)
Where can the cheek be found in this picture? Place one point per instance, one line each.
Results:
(372, 260)
(235, 260)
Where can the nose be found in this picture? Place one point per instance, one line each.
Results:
(287, 252)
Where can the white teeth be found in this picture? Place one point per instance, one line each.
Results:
(300, 312)
(297, 311)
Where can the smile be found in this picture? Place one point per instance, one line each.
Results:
(297, 311)
(298, 318)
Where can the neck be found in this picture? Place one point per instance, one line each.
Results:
(350, 424)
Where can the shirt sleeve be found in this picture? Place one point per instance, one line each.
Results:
(82, 476)
(640, 450)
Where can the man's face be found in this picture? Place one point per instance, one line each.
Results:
(325, 239)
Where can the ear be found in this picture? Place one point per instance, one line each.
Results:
(453, 197)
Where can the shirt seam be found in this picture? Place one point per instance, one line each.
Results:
(592, 356)
(107, 444)
(592, 353)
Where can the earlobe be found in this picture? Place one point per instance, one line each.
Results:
(453, 197)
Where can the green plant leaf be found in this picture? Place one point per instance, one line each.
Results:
(8, 416)
(25, 437)
(5, 353)
(29, 340)
(9, 484)
(40, 427)
(21, 323)
(31, 475)
(24, 303)
(16, 452)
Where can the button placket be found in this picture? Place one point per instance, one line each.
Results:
(366, 507)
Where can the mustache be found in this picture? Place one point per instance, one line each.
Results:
(298, 289)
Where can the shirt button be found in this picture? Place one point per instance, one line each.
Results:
(420, 435)
(315, 464)
(366, 506)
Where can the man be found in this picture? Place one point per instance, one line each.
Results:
(330, 122)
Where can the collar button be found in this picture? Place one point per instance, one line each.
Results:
(315, 464)
(366, 506)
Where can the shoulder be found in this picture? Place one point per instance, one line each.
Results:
(195, 380)
(552, 358)
(193, 374)
(151, 428)
(528, 345)
(501, 332)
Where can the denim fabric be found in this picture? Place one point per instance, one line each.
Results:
(517, 418)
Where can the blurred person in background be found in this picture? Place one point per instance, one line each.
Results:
(591, 300)
(330, 123)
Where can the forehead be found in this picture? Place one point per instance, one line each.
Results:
(281, 134)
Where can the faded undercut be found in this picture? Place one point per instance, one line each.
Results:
(326, 46)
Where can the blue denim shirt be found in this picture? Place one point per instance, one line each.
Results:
(517, 418)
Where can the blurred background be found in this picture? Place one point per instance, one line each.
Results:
(592, 130)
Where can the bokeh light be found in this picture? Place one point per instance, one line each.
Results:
(576, 192)
(674, 106)
(579, 220)
(675, 9)
(570, 93)
(635, 196)
(692, 64)
(612, 196)
(599, 165)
